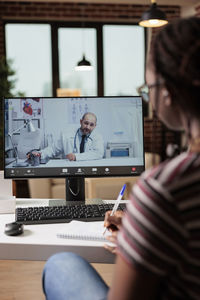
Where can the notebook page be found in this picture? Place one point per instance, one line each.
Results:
(84, 230)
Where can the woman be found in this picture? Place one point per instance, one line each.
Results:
(158, 248)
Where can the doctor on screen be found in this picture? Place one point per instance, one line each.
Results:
(83, 143)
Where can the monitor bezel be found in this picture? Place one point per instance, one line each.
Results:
(69, 175)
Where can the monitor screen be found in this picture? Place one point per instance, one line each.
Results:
(77, 136)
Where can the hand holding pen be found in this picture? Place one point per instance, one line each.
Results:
(115, 207)
(113, 223)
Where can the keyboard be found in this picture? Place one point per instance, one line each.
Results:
(63, 214)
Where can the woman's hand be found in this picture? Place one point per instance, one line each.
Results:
(113, 224)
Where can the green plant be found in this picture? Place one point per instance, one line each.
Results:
(7, 80)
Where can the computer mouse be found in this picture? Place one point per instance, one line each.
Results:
(13, 229)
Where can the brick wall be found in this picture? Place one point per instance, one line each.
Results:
(157, 136)
(91, 12)
(55, 11)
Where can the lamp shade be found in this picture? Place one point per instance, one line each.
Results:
(84, 65)
(154, 17)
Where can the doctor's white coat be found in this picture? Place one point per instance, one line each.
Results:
(69, 142)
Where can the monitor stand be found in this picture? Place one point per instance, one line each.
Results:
(75, 193)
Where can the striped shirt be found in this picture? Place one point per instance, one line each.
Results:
(161, 227)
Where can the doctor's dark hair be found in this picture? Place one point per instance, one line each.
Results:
(175, 56)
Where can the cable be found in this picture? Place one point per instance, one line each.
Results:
(71, 191)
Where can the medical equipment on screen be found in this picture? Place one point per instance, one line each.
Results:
(119, 150)
(28, 135)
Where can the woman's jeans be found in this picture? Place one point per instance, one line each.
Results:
(67, 276)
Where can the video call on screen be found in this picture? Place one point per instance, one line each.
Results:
(80, 136)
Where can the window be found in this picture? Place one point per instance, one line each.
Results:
(124, 52)
(29, 47)
(72, 44)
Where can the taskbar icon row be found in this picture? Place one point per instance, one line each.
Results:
(64, 171)
(82, 170)
(73, 171)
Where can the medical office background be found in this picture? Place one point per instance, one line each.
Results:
(46, 40)
(118, 121)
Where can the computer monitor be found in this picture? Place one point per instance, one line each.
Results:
(73, 138)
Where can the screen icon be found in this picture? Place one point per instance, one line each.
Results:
(94, 169)
(64, 170)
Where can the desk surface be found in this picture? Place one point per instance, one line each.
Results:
(39, 242)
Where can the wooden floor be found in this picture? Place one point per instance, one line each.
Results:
(21, 280)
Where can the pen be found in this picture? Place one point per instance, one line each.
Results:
(115, 207)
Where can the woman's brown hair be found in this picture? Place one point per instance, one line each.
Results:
(176, 58)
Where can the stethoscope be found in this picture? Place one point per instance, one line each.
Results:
(75, 150)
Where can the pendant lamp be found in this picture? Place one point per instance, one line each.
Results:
(84, 65)
(154, 17)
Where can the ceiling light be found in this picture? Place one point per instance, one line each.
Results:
(154, 17)
(84, 65)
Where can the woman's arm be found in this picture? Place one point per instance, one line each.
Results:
(130, 283)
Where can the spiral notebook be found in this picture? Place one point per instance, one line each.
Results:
(92, 231)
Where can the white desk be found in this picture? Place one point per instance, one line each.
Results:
(39, 242)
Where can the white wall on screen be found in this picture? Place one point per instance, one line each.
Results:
(116, 121)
